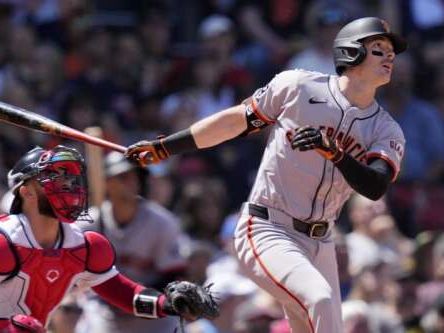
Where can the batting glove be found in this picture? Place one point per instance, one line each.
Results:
(308, 138)
(147, 152)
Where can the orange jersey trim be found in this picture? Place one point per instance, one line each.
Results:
(388, 160)
(268, 273)
(259, 114)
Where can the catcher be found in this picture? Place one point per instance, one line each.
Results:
(44, 255)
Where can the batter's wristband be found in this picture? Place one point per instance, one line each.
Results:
(180, 142)
(338, 156)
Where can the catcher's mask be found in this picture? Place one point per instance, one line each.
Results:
(61, 172)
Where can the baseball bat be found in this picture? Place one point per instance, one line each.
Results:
(23, 118)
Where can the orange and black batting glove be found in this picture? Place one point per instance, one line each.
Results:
(308, 138)
(147, 152)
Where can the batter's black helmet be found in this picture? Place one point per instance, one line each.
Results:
(348, 48)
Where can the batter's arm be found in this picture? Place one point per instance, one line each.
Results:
(208, 132)
(219, 127)
(372, 180)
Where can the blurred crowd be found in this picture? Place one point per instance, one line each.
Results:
(139, 69)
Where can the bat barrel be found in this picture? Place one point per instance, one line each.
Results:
(30, 120)
(70, 133)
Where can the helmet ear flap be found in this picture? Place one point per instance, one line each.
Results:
(349, 55)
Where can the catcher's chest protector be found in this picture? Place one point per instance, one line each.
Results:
(48, 274)
(33, 280)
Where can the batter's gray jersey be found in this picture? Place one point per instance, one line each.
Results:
(304, 184)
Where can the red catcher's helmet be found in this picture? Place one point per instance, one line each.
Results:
(348, 47)
(61, 172)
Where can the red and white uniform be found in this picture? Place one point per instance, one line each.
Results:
(35, 280)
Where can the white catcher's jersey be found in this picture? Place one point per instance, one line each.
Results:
(45, 275)
(304, 184)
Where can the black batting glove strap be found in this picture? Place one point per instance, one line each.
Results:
(159, 147)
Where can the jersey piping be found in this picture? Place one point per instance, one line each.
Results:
(318, 188)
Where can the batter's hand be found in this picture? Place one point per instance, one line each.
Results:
(147, 152)
(308, 138)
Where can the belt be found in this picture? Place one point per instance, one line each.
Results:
(312, 229)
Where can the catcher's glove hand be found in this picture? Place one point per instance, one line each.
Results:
(308, 138)
(190, 301)
(147, 152)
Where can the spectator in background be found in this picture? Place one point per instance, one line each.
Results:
(438, 101)
(199, 255)
(21, 48)
(231, 290)
(270, 28)
(343, 258)
(433, 320)
(424, 158)
(126, 68)
(148, 118)
(164, 64)
(204, 95)
(370, 285)
(147, 240)
(429, 290)
(202, 207)
(89, 68)
(401, 297)
(356, 316)
(423, 23)
(424, 243)
(362, 249)
(280, 326)
(322, 23)
(217, 37)
(162, 185)
(79, 112)
(258, 313)
(395, 248)
(48, 78)
(6, 26)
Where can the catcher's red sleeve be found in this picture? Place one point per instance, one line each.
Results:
(119, 291)
(8, 260)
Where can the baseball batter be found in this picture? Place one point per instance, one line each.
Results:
(328, 138)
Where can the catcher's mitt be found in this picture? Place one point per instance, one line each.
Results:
(190, 301)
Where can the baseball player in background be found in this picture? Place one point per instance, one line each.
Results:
(44, 256)
(328, 138)
(147, 240)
